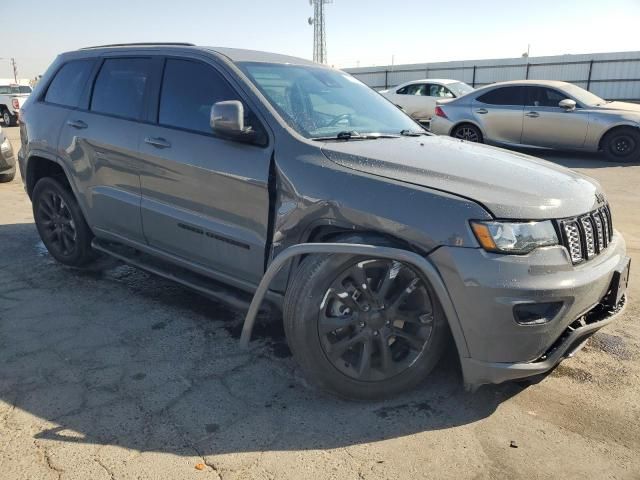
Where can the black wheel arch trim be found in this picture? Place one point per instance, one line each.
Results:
(423, 265)
(43, 154)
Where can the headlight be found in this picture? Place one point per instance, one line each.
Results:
(5, 146)
(514, 237)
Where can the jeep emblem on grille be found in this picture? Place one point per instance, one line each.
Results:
(599, 198)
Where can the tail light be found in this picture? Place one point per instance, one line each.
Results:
(15, 103)
(440, 112)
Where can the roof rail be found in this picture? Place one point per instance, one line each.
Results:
(141, 44)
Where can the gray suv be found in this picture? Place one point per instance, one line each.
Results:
(240, 171)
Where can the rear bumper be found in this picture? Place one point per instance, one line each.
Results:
(441, 126)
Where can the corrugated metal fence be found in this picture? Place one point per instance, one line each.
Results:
(613, 76)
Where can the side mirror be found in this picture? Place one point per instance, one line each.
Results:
(227, 118)
(567, 104)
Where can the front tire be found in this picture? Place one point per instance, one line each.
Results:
(362, 328)
(60, 223)
(622, 144)
(467, 132)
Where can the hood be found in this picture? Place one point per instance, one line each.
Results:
(621, 106)
(510, 185)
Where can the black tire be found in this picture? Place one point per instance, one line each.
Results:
(309, 289)
(60, 223)
(621, 144)
(7, 177)
(467, 132)
(8, 119)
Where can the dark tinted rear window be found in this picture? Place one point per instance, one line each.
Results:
(503, 96)
(189, 90)
(67, 86)
(120, 87)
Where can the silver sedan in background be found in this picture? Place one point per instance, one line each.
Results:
(547, 114)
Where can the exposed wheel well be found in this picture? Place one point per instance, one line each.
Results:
(613, 129)
(39, 167)
(328, 233)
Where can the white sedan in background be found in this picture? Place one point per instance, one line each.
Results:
(418, 97)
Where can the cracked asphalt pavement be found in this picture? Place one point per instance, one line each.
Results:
(113, 373)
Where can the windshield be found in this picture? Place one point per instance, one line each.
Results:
(583, 96)
(14, 89)
(320, 102)
(460, 88)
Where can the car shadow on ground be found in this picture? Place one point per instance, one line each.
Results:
(114, 356)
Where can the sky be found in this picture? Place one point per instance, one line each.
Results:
(359, 32)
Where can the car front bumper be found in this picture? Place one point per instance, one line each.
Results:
(485, 289)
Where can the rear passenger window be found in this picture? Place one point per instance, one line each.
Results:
(67, 86)
(503, 96)
(189, 90)
(120, 87)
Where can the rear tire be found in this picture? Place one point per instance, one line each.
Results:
(621, 144)
(8, 119)
(60, 223)
(318, 325)
(467, 132)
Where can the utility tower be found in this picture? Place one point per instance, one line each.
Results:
(14, 66)
(319, 33)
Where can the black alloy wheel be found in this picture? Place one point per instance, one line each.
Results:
(468, 133)
(60, 223)
(375, 320)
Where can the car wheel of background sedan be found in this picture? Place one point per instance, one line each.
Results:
(7, 118)
(467, 132)
(60, 223)
(363, 328)
(622, 144)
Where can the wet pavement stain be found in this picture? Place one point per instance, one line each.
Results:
(412, 408)
(575, 373)
(611, 344)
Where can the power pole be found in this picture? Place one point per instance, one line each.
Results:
(319, 32)
(15, 69)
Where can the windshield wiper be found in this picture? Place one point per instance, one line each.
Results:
(352, 135)
(412, 133)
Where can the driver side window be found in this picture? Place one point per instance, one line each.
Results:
(189, 90)
(544, 97)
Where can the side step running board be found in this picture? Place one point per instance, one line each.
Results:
(230, 296)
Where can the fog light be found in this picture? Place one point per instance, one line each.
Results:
(536, 313)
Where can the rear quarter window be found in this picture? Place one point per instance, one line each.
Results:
(67, 86)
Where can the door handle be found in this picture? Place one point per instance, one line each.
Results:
(79, 124)
(482, 111)
(157, 142)
(532, 114)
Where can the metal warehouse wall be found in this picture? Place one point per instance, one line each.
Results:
(613, 76)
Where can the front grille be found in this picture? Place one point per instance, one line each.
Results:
(587, 235)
